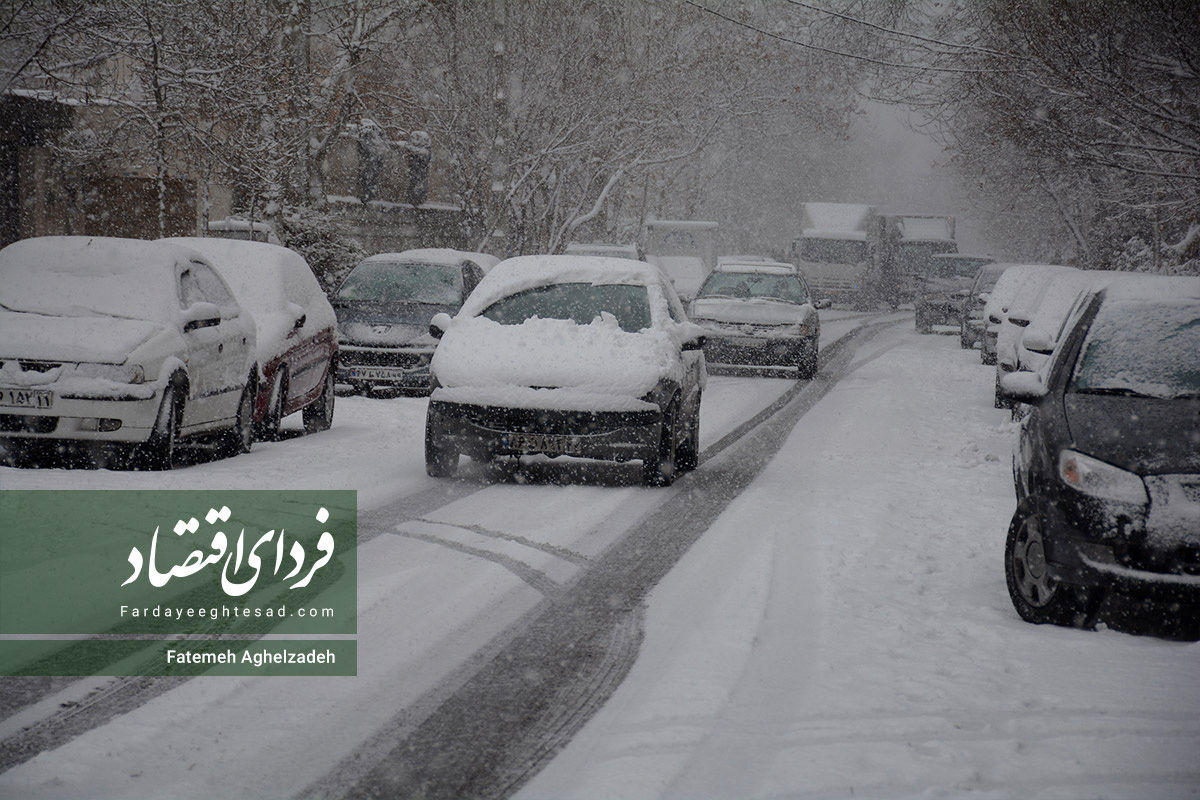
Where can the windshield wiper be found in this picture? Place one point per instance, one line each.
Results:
(1117, 391)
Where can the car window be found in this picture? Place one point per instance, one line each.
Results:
(581, 303)
(1142, 348)
(200, 283)
(404, 282)
(754, 284)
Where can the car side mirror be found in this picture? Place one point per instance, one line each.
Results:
(1022, 387)
(824, 302)
(300, 320)
(201, 315)
(439, 324)
(695, 343)
(1037, 340)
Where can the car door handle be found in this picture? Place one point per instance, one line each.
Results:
(221, 347)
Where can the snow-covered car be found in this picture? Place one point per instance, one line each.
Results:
(296, 329)
(1107, 465)
(568, 356)
(941, 288)
(971, 322)
(1016, 286)
(244, 230)
(383, 309)
(758, 314)
(121, 344)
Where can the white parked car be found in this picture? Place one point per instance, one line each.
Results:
(296, 329)
(1017, 285)
(120, 344)
(579, 356)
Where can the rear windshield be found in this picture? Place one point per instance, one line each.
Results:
(1141, 348)
(754, 284)
(581, 303)
(403, 282)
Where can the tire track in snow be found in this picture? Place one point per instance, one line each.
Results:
(492, 733)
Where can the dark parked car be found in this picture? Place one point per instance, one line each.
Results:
(579, 356)
(971, 323)
(942, 287)
(296, 326)
(759, 314)
(1107, 467)
(383, 310)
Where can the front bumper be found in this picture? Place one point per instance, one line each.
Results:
(1122, 547)
(83, 419)
(758, 351)
(384, 367)
(483, 432)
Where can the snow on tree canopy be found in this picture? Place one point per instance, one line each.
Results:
(80, 276)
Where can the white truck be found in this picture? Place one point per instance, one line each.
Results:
(920, 238)
(684, 249)
(846, 251)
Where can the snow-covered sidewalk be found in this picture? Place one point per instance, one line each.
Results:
(844, 630)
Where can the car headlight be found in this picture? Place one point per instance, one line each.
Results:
(117, 373)
(1100, 479)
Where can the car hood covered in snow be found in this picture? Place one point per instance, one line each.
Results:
(388, 324)
(99, 339)
(755, 310)
(598, 359)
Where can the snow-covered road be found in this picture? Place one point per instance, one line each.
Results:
(842, 629)
(435, 586)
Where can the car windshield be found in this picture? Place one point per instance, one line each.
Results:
(581, 303)
(403, 282)
(833, 251)
(957, 267)
(754, 284)
(1142, 348)
(988, 278)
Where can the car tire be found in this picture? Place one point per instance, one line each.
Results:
(268, 429)
(660, 469)
(1036, 596)
(157, 453)
(807, 368)
(240, 438)
(441, 460)
(687, 456)
(922, 323)
(318, 416)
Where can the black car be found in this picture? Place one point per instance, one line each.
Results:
(1107, 466)
(383, 309)
(942, 287)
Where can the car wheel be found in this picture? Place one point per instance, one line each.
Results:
(441, 460)
(318, 416)
(158, 452)
(807, 367)
(660, 469)
(1037, 597)
(922, 324)
(240, 438)
(687, 457)
(268, 429)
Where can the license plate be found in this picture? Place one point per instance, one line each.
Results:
(554, 444)
(27, 398)
(377, 373)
